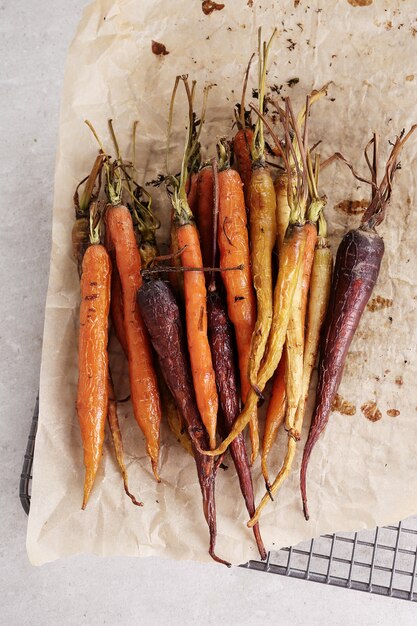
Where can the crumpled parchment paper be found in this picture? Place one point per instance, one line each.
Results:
(362, 473)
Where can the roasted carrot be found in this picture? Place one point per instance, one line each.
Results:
(81, 234)
(275, 416)
(242, 141)
(222, 348)
(278, 402)
(143, 383)
(93, 365)
(163, 319)
(194, 281)
(204, 213)
(357, 267)
(290, 262)
(315, 279)
(233, 243)
(262, 221)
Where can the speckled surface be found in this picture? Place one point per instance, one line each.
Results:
(89, 590)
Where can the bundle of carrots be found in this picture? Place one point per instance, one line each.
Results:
(247, 294)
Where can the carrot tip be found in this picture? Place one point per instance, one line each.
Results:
(268, 488)
(218, 559)
(132, 497)
(155, 473)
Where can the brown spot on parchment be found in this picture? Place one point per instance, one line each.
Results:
(360, 3)
(353, 207)
(388, 25)
(378, 303)
(250, 3)
(393, 412)
(159, 49)
(410, 77)
(371, 411)
(343, 406)
(296, 3)
(399, 381)
(208, 7)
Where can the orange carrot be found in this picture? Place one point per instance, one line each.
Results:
(234, 251)
(275, 415)
(196, 319)
(143, 381)
(204, 213)
(93, 392)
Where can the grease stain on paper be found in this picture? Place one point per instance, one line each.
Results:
(343, 406)
(378, 303)
(353, 207)
(371, 411)
(360, 3)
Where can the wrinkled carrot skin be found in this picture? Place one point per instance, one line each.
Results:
(283, 208)
(204, 214)
(290, 262)
(289, 269)
(294, 373)
(163, 319)
(357, 267)
(221, 341)
(275, 415)
(294, 345)
(196, 322)
(242, 142)
(116, 436)
(233, 244)
(93, 363)
(143, 381)
(263, 228)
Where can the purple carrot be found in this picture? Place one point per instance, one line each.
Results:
(162, 318)
(357, 266)
(220, 335)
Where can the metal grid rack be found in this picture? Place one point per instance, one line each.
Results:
(381, 561)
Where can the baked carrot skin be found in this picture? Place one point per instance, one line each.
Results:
(233, 242)
(274, 416)
(162, 317)
(221, 341)
(204, 213)
(242, 142)
(290, 264)
(357, 267)
(263, 228)
(294, 345)
(93, 365)
(196, 323)
(143, 380)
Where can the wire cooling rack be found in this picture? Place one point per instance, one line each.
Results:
(381, 561)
